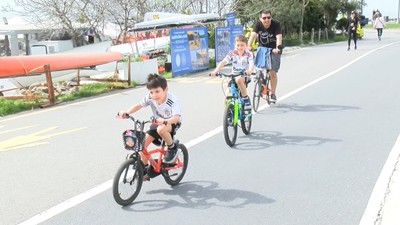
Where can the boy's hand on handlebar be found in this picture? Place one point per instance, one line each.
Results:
(158, 121)
(213, 74)
(122, 114)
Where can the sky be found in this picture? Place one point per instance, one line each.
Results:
(386, 7)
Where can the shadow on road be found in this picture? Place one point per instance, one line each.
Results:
(285, 108)
(200, 195)
(260, 140)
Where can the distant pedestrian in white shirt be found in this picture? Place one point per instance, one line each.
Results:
(379, 24)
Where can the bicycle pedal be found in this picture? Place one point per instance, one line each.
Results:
(146, 178)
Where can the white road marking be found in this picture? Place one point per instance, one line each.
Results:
(43, 216)
(377, 198)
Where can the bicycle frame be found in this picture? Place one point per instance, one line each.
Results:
(131, 174)
(235, 99)
(156, 163)
(147, 154)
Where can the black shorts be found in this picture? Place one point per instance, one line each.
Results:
(157, 139)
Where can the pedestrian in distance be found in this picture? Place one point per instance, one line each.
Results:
(352, 24)
(379, 24)
(242, 61)
(269, 34)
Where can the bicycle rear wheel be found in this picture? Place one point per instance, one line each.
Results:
(257, 92)
(128, 181)
(174, 172)
(267, 97)
(229, 125)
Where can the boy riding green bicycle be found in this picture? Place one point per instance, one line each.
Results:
(242, 60)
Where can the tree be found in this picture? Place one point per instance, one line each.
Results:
(304, 4)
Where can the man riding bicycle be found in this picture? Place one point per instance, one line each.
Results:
(269, 34)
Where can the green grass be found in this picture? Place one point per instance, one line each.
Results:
(11, 106)
(389, 25)
(167, 75)
(88, 90)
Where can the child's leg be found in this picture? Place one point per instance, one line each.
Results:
(165, 133)
(240, 82)
(147, 142)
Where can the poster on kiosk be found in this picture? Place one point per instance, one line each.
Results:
(189, 50)
(225, 40)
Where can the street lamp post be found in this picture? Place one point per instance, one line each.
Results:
(398, 12)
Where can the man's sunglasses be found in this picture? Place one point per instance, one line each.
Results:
(266, 17)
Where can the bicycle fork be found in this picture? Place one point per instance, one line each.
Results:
(236, 106)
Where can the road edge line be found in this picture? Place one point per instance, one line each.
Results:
(377, 199)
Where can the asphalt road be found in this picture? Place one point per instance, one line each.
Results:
(313, 158)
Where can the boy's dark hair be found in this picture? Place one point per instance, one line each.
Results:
(156, 81)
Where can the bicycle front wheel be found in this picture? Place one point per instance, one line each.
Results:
(174, 173)
(245, 122)
(128, 181)
(230, 125)
(257, 92)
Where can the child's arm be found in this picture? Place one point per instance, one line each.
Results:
(218, 68)
(173, 120)
(134, 109)
(130, 110)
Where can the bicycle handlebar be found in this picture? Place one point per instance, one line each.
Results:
(220, 74)
(127, 116)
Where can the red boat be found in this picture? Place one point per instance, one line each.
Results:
(12, 66)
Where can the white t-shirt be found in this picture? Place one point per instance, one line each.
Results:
(166, 110)
(239, 63)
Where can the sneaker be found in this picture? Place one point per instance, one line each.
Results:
(146, 177)
(171, 155)
(247, 104)
(273, 99)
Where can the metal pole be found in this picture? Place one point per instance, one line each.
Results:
(398, 12)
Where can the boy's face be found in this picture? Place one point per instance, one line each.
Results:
(240, 46)
(158, 94)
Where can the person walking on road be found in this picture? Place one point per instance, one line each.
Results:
(352, 30)
(379, 24)
(269, 33)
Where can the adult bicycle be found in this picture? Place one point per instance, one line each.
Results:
(262, 87)
(129, 178)
(234, 111)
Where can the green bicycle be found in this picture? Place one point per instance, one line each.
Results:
(234, 112)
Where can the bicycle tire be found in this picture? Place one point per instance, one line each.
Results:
(257, 92)
(171, 176)
(245, 122)
(267, 97)
(229, 123)
(130, 176)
